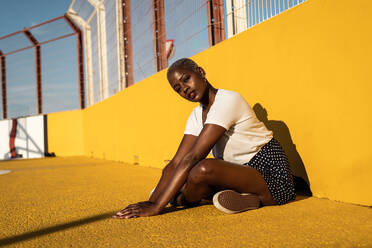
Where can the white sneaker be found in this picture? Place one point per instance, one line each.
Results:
(230, 201)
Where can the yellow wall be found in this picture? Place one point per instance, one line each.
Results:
(65, 133)
(308, 67)
(142, 124)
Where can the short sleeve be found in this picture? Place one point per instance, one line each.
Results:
(226, 109)
(192, 126)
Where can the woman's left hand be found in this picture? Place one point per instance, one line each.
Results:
(139, 209)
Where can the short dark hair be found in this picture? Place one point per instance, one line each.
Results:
(184, 63)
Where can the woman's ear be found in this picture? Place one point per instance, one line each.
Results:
(202, 72)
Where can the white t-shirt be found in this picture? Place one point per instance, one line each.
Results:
(245, 134)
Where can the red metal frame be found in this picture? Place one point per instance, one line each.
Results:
(41, 43)
(79, 44)
(35, 26)
(128, 51)
(38, 69)
(159, 35)
(39, 94)
(216, 29)
(4, 105)
(12, 136)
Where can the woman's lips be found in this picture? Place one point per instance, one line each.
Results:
(192, 95)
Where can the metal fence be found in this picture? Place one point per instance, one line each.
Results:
(130, 40)
(124, 42)
(243, 14)
(41, 69)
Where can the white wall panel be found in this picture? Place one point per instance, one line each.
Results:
(30, 137)
(29, 140)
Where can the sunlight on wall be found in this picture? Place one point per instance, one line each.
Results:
(305, 72)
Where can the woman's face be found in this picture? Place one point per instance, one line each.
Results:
(188, 84)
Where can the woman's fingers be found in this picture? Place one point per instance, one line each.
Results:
(145, 208)
(127, 216)
(128, 212)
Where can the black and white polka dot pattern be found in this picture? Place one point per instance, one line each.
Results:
(272, 163)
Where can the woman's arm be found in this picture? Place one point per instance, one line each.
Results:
(204, 143)
(168, 186)
(184, 147)
(132, 210)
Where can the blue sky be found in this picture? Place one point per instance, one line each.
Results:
(59, 76)
(18, 14)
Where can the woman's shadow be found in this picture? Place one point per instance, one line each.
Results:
(282, 134)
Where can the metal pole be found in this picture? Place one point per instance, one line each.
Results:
(128, 51)
(39, 92)
(40, 44)
(159, 35)
(216, 30)
(3, 85)
(35, 26)
(80, 58)
(233, 16)
(39, 101)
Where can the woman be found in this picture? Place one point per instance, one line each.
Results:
(250, 168)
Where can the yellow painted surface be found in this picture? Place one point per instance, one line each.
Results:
(68, 202)
(142, 124)
(309, 67)
(65, 133)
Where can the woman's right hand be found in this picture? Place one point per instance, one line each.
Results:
(139, 209)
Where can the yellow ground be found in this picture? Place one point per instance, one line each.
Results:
(68, 202)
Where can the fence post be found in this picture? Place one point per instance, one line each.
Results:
(127, 43)
(3, 85)
(216, 30)
(39, 100)
(80, 57)
(159, 35)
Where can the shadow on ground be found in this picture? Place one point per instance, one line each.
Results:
(61, 227)
(53, 229)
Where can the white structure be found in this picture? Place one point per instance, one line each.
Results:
(96, 42)
(236, 17)
(29, 140)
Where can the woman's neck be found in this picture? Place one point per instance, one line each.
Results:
(208, 97)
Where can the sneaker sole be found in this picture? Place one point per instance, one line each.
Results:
(231, 202)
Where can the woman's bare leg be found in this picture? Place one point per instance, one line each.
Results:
(212, 175)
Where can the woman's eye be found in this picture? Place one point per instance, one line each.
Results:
(186, 78)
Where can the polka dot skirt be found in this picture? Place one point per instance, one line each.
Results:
(272, 163)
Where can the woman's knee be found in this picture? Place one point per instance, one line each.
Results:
(201, 171)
